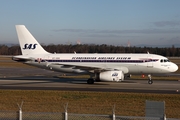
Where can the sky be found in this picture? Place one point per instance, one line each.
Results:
(112, 22)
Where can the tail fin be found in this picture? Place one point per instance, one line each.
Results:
(28, 43)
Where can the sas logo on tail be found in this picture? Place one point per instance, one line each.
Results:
(30, 46)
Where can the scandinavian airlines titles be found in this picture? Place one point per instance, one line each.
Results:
(104, 58)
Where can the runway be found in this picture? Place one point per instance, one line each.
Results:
(47, 80)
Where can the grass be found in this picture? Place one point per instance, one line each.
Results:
(126, 104)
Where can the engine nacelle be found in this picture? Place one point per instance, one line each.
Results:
(111, 76)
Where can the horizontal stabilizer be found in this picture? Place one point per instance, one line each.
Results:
(21, 58)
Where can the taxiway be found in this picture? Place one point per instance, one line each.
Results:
(38, 79)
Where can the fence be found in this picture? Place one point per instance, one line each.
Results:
(20, 115)
(5, 115)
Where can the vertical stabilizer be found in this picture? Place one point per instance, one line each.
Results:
(28, 43)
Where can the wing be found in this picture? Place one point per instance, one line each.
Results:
(92, 68)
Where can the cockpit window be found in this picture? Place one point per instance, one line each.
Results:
(164, 60)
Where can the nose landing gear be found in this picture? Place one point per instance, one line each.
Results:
(150, 81)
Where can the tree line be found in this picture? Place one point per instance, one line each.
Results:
(91, 48)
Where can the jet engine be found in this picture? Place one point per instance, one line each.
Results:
(112, 76)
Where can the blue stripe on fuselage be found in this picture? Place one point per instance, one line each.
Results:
(109, 61)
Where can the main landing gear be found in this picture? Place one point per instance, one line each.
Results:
(90, 81)
(150, 81)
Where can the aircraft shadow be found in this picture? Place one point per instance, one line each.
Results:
(44, 79)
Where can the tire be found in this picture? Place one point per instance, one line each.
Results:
(150, 82)
(90, 81)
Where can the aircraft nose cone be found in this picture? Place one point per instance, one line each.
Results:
(174, 68)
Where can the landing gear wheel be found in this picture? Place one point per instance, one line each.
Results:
(150, 82)
(90, 81)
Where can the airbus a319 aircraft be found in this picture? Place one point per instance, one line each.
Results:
(100, 67)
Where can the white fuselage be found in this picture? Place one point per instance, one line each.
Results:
(128, 63)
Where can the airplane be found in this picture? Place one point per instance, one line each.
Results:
(100, 67)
